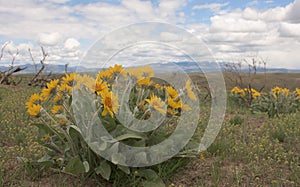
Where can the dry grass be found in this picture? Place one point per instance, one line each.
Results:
(250, 154)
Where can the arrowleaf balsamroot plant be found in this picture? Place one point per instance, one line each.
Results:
(277, 101)
(68, 151)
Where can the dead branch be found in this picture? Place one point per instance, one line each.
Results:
(38, 79)
(244, 79)
(5, 75)
(66, 68)
(32, 59)
(3, 48)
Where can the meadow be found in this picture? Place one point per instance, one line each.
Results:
(250, 150)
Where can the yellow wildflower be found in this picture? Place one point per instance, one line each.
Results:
(235, 90)
(57, 109)
(157, 86)
(276, 90)
(46, 92)
(116, 69)
(65, 88)
(172, 92)
(68, 78)
(85, 80)
(34, 99)
(100, 86)
(110, 103)
(285, 91)
(242, 93)
(142, 105)
(132, 72)
(156, 103)
(202, 156)
(62, 120)
(171, 111)
(58, 97)
(173, 103)
(186, 107)
(147, 71)
(255, 94)
(145, 82)
(34, 110)
(190, 92)
(298, 92)
(104, 75)
(46, 137)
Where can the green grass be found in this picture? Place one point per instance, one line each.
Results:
(250, 150)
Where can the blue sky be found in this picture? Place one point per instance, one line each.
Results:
(232, 30)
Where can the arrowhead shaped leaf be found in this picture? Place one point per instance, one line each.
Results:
(104, 170)
(75, 166)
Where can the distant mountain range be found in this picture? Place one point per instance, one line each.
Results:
(48, 68)
(165, 67)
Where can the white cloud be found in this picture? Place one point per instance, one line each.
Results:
(169, 37)
(214, 7)
(269, 1)
(289, 30)
(234, 23)
(231, 32)
(71, 44)
(167, 9)
(58, 1)
(294, 13)
(49, 39)
(24, 47)
(142, 9)
(266, 33)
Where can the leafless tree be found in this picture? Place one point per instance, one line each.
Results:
(244, 72)
(5, 75)
(66, 68)
(39, 79)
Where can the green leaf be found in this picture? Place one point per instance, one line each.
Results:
(104, 170)
(43, 130)
(108, 122)
(75, 128)
(46, 157)
(128, 136)
(74, 133)
(125, 169)
(75, 166)
(22, 159)
(118, 158)
(152, 179)
(141, 158)
(86, 166)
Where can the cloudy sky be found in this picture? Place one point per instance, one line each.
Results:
(232, 30)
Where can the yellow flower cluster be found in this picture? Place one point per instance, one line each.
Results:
(138, 73)
(58, 90)
(156, 103)
(174, 102)
(55, 90)
(143, 77)
(277, 90)
(253, 92)
(246, 91)
(297, 90)
(238, 91)
(33, 105)
(274, 92)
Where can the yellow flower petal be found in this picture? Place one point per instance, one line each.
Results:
(156, 103)
(190, 92)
